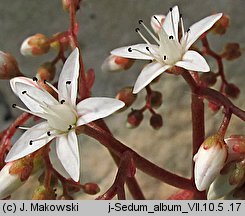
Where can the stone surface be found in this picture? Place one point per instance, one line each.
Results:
(107, 24)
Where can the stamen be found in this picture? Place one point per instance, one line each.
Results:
(171, 37)
(70, 127)
(41, 103)
(130, 49)
(24, 92)
(51, 86)
(24, 110)
(152, 55)
(170, 9)
(164, 58)
(147, 29)
(62, 101)
(31, 141)
(182, 26)
(172, 21)
(34, 79)
(187, 35)
(49, 133)
(14, 105)
(23, 128)
(68, 82)
(142, 36)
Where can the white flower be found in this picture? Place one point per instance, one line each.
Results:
(170, 50)
(209, 160)
(62, 117)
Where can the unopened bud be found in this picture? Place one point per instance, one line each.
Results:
(46, 71)
(209, 160)
(126, 95)
(209, 78)
(231, 51)
(156, 121)
(230, 177)
(8, 66)
(221, 25)
(43, 193)
(156, 99)
(157, 22)
(67, 3)
(115, 63)
(35, 45)
(232, 90)
(135, 117)
(236, 147)
(91, 188)
(213, 106)
(9, 182)
(59, 39)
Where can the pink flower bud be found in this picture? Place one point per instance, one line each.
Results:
(8, 182)
(8, 66)
(35, 45)
(209, 160)
(157, 22)
(115, 63)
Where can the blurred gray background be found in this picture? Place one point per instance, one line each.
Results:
(105, 25)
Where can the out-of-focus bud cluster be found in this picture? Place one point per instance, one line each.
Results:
(156, 121)
(156, 99)
(35, 45)
(229, 183)
(44, 193)
(221, 25)
(231, 51)
(115, 63)
(209, 160)
(135, 117)
(209, 78)
(126, 95)
(46, 71)
(232, 91)
(8, 66)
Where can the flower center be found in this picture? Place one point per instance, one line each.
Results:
(60, 117)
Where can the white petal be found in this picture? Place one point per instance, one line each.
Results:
(36, 98)
(171, 22)
(149, 72)
(22, 146)
(198, 28)
(142, 52)
(56, 162)
(192, 60)
(68, 154)
(70, 72)
(95, 108)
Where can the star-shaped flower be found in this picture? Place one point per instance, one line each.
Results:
(171, 50)
(62, 116)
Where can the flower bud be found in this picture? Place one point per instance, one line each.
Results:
(231, 51)
(135, 117)
(209, 78)
(213, 106)
(156, 121)
(8, 182)
(209, 160)
(35, 45)
(115, 63)
(43, 193)
(232, 90)
(126, 95)
(157, 22)
(91, 188)
(236, 147)
(231, 176)
(46, 71)
(8, 66)
(156, 99)
(221, 25)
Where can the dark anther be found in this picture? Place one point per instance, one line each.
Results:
(180, 16)
(24, 92)
(34, 79)
(30, 143)
(171, 37)
(164, 57)
(130, 49)
(70, 127)
(55, 189)
(171, 9)
(68, 82)
(137, 29)
(155, 18)
(147, 48)
(13, 105)
(17, 126)
(48, 133)
(62, 101)
(188, 30)
(140, 21)
(45, 81)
